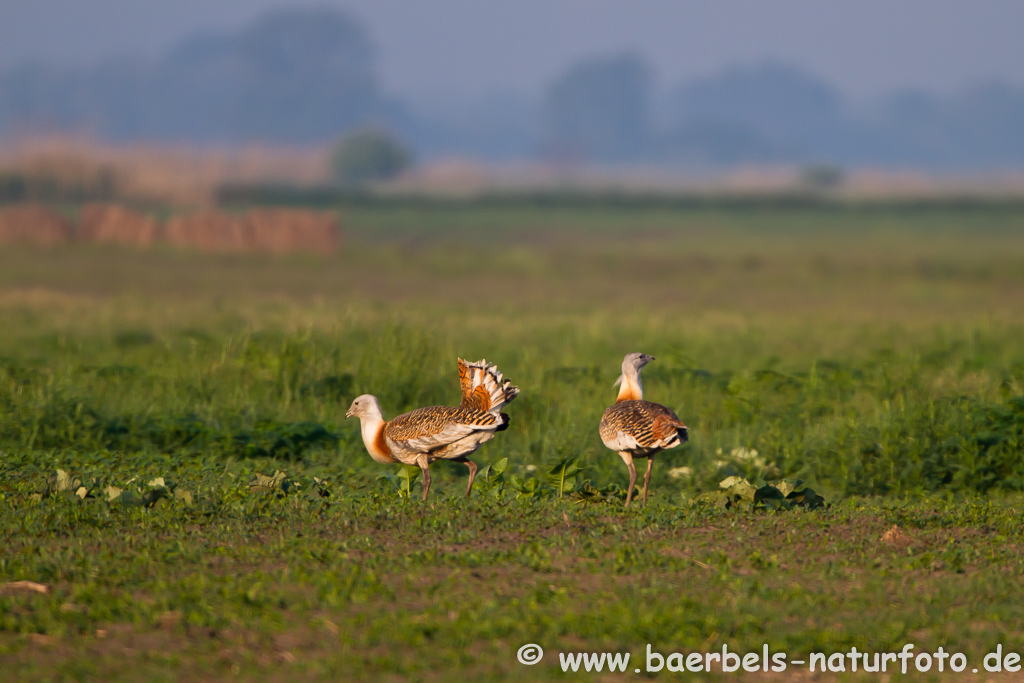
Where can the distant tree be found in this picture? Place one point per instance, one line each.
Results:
(297, 75)
(368, 155)
(776, 98)
(790, 114)
(599, 109)
(822, 176)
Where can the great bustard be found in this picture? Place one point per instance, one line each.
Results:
(635, 428)
(424, 435)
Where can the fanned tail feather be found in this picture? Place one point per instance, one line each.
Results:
(484, 388)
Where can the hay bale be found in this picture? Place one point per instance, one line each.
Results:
(269, 230)
(33, 224)
(207, 230)
(283, 230)
(116, 224)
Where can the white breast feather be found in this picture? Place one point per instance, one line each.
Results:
(621, 442)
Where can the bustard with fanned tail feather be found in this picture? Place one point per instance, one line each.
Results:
(424, 435)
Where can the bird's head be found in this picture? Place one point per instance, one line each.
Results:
(635, 361)
(364, 406)
(631, 366)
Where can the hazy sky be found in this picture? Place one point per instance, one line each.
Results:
(430, 48)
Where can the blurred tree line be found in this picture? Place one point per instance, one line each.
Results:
(307, 76)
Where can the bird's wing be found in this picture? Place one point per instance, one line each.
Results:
(666, 426)
(427, 429)
(632, 425)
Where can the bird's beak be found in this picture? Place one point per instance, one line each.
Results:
(349, 413)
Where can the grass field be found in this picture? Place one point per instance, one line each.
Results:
(871, 351)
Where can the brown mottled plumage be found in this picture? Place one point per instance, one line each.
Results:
(439, 432)
(652, 426)
(426, 421)
(636, 428)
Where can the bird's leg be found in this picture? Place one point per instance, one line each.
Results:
(628, 459)
(647, 476)
(472, 475)
(425, 467)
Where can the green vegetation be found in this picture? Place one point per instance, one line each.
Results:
(216, 514)
(369, 155)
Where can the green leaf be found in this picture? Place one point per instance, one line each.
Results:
(778, 496)
(807, 498)
(528, 488)
(491, 477)
(183, 495)
(407, 476)
(720, 499)
(265, 484)
(742, 490)
(498, 468)
(63, 482)
(787, 486)
(129, 497)
(279, 483)
(321, 488)
(562, 475)
(587, 493)
(766, 493)
(388, 476)
(153, 496)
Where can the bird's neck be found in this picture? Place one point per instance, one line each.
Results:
(372, 428)
(630, 388)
